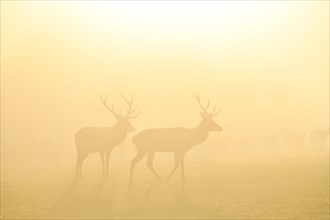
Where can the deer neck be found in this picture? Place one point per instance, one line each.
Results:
(201, 132)
(119, 129)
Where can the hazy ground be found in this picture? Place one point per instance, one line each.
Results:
(232, 187)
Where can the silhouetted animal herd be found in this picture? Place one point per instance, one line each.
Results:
(177, 140)
(271, 143)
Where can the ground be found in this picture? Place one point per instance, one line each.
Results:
(263, 187)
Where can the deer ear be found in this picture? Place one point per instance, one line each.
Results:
(203, 116)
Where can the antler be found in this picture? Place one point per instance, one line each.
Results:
(112, 110)
(129, 108)
(212, 114)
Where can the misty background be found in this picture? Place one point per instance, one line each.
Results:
(265, 65)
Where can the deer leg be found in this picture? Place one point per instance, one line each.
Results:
(78, 167)
(150, 164)
(135, 160)
(175, 167)
(80, 160)
(103, 165)
(182, 168)
(107, 156)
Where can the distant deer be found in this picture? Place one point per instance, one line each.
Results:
(244, 144)
(178, 140)
(318, 137)
(294, 140)
(271, 141)
(104, 139)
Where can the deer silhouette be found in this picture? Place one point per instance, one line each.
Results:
(295, 141)
(178, 140)
(104, 139)
(318, 137)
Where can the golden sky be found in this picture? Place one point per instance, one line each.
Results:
(264, 63)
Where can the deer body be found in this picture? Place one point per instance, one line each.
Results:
(103, 139)
(169, 139)
(91, 140)
(178, 140)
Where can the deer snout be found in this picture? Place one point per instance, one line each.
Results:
(216, 127)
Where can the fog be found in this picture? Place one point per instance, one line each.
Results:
(264, 65)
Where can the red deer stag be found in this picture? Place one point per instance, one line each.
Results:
(104, 139)
(178, 140)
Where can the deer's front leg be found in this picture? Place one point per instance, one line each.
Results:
(103, 165)
(107, 156)
(135, 160)
(78, 171)
(182, 168)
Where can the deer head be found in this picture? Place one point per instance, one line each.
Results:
(123, 120)
(207, 118)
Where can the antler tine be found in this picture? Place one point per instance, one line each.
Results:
(214, 114)
(208, 104)
(197, 98)
(129, 108)
(134, 115)
(126, 98)
(213, 110)
(104, 101)
(134, 109)
(130, 111)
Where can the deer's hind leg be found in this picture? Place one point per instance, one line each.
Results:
(80, 160)
(150, 164)
(135, 160)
